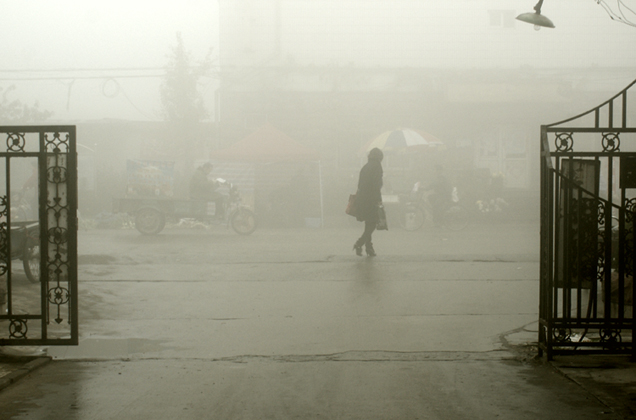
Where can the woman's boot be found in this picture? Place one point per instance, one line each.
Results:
(369, 248)
(358, 247)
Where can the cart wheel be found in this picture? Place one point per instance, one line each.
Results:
(149, 221)
(31, 258)
(411, 217)
(243, 221)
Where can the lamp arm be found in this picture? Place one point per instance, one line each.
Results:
(537, 8)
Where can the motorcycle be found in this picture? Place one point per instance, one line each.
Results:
(415, 209)
(232, 214)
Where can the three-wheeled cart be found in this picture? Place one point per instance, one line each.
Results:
(150, 213)
(25, 246)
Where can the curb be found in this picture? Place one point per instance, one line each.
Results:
(22, 371)
(606, 391)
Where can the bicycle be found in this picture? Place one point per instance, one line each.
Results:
(417, 209)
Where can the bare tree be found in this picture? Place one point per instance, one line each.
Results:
(16, 112)
(183, 110)
(180, 97)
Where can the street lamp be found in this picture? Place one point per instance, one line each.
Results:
(536, 18)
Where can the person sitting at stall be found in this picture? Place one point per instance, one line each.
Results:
(203, 188)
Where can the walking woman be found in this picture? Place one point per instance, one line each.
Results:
(368, 199)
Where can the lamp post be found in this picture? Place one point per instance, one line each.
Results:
(536, 18)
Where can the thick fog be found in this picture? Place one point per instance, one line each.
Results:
(93, 60)
(330, 74)
(448, 34)
(214, 268)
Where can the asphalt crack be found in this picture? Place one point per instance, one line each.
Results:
(346, 356)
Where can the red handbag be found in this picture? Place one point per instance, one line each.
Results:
(351, 209)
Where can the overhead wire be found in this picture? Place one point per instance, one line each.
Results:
(103, 73)
(108, 75)
(621, 3)
(619, 16)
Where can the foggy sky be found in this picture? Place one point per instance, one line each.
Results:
(434, 34)
(76, 34)
(136, 34)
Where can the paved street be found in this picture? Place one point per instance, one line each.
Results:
(291, 324)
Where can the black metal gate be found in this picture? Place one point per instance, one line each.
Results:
(588, 203)
(38, 235)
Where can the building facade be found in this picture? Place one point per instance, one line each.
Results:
(335, 73)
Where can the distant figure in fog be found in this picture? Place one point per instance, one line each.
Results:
(203, 188)
(368, 200)
(442, 194)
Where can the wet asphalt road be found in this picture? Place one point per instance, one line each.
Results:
(291, 324)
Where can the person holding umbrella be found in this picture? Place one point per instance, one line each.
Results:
(368, 200)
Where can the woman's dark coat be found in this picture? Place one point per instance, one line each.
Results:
(368, 196)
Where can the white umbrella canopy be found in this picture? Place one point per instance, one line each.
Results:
(404, 138)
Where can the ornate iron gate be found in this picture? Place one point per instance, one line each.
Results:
(38, 235)
(588, 204)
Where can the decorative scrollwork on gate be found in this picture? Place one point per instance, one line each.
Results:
(18, 328)
(58, 269)
(627, 238)
(601, 213)
(611, 142)
(562, 335)
(600, 265)
(583, 237)
(15, 142)
(4, 249)
(58, 235)
(58, 209)
(59, 296)
(56, 142)
(56, 175)
(630, 206)
(610, 335)
(4, 237)
(564, 142)
(3, 206)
